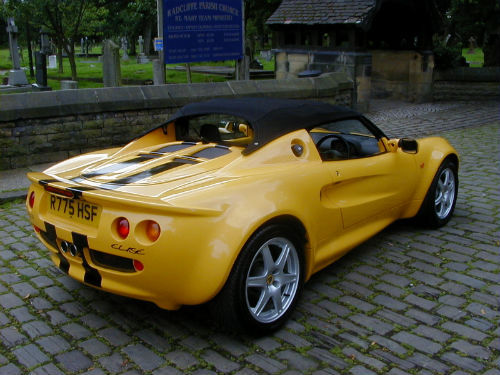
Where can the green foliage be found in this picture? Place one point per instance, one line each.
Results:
(447, 56)
(475, 58)
(256, 14)
(475, 18)
(479, 19)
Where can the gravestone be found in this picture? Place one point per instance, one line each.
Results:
(472, 45)
(41, 69)
(111, 72)
(69, 85)
(267, 55)
(17, 76)
(52, 61)
(141, 57)
(158, 73)
(124, 43)
(82, 45)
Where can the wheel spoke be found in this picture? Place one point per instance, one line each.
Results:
(446, 175)
(268, 260)
(278, 303)
(441, 186)
(438, 200)
(287, 278)
(283, 258)
(257, 281)
(262, 302)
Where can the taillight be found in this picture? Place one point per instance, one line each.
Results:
(153, 230)
(31, 200)
(123, 227)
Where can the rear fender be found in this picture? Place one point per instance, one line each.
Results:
(229, 232)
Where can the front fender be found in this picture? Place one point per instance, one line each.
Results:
(431, 153)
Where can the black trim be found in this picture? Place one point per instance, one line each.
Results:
(92, 275)
(78, 191)
(80, 240)
(111, 261)
(46, 182)
(50, 236)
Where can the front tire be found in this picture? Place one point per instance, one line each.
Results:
(264, 284)
(439, 203)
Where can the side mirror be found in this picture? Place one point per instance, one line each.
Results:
(408, 145)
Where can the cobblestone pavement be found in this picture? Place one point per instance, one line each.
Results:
(408, 301)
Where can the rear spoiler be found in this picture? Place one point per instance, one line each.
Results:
(72, 190)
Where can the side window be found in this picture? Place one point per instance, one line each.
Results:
(345, 139)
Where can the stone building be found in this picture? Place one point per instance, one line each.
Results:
(382, 44)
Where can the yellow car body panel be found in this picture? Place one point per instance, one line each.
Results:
(208, 210)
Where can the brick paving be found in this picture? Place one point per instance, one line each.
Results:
(408, 301)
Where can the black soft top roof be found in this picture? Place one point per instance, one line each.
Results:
(270, 118)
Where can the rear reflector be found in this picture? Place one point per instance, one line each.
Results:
(138, 265)
(32, 199)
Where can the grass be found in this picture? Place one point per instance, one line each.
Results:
(475, 59)
(89, 71)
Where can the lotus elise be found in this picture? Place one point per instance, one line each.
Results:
(236, 202)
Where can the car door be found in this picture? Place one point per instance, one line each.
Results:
(369, 182)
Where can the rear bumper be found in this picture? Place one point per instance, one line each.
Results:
(83, 268)
(180, 268)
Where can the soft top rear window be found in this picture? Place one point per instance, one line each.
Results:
(223, 129)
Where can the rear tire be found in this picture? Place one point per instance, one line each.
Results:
(440, 200)
(265, 282)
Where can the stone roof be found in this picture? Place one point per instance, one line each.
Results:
(321, 12)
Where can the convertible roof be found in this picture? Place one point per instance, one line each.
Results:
(270, 118)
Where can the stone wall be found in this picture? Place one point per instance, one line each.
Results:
(403, 75)
(467, 84)
(290, 62)
(41, 127)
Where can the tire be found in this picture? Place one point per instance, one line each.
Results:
(265, 282)
(439, 203)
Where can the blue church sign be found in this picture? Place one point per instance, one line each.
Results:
(203, 30)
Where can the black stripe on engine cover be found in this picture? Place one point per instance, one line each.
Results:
(145, 174)
(92, 276)
(116, 167)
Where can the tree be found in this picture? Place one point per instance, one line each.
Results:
(24, 23)
(131, 19)
(256, 14)
(479, 19)
(65, 21)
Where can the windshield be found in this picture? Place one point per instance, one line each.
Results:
(214, 128)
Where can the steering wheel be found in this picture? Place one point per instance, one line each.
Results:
(338, 144)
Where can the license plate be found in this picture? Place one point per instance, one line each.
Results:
(76, 210)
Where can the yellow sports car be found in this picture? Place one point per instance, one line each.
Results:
(237, 202)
